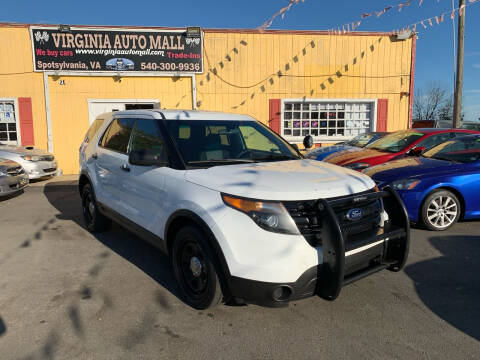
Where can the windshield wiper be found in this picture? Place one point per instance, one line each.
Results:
(277, 157)
(220, 161)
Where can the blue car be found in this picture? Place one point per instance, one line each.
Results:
(440, 186)
(357, 143)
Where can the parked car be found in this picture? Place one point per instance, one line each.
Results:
(471, 125)
(439, 187)
(240, 212)
(394, 146)
(36, 162)
(437, 124)
(357, 143)
(12, 177)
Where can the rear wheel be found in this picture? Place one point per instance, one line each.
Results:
(94, 220)
(194, 270)
(441, 209)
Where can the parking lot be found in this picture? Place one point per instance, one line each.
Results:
(67, 294)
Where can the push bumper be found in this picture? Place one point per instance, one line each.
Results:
(342, 263)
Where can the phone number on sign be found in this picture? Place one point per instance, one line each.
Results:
(169, 66)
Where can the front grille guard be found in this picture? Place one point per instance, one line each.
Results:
(331, 274)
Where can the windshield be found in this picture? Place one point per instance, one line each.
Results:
(396, 142)
(213, 142)
(464, 150)
(361, 140)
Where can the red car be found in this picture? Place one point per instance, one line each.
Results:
(395, 145)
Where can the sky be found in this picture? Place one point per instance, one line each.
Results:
(434, 62)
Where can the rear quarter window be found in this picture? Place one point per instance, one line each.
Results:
(97, 124)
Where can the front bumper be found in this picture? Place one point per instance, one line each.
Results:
(12, 184)
(40, 169)
(342, 263)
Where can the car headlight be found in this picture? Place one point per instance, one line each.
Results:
(32, 158)
(357, 166)
(405, 184)
(269, 215)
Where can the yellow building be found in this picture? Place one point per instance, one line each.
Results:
(55, 80)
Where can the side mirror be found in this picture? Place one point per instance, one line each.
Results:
(146, 157)
(308, 141)
(416, 151)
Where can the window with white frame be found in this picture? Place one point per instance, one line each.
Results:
(8, 122)
(327, 120)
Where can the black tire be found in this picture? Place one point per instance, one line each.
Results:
(95, 221)
(194, 270)
(440, 210)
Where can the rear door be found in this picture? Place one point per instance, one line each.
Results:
(111, 157)
(145, 185)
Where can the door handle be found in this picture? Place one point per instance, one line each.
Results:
(94, 156)
(125, 167)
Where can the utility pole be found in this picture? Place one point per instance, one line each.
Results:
(457, 101)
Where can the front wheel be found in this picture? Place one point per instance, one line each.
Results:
(194, 270)
(441, 209)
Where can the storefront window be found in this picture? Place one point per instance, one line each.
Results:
(326, 120)
(8, 122)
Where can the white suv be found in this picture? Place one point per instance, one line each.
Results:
(243, 216)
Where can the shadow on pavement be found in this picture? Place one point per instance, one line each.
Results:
(449, 285)
(64, 196)
(3, 327)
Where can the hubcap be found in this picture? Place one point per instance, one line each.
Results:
(442, 211)
(91, 208)
(195, 266)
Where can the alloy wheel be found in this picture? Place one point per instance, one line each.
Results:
(442, 211)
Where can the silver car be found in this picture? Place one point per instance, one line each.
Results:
(12, 177)
(37, 163)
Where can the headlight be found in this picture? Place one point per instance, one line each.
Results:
(357, 166)
(32, 158)
(269, 215)
(406, 184)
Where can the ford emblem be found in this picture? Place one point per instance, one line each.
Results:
(354, 214)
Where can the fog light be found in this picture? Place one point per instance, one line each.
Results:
(282, 293)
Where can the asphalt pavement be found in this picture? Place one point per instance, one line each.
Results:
(67, 294)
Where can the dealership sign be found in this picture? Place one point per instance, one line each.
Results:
(114, 50)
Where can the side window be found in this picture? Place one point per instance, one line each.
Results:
(434, 140)
(117, 135)
(146, 136)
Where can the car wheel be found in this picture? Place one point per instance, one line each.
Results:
(95, 221)
(194, 270)
(441, 209)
